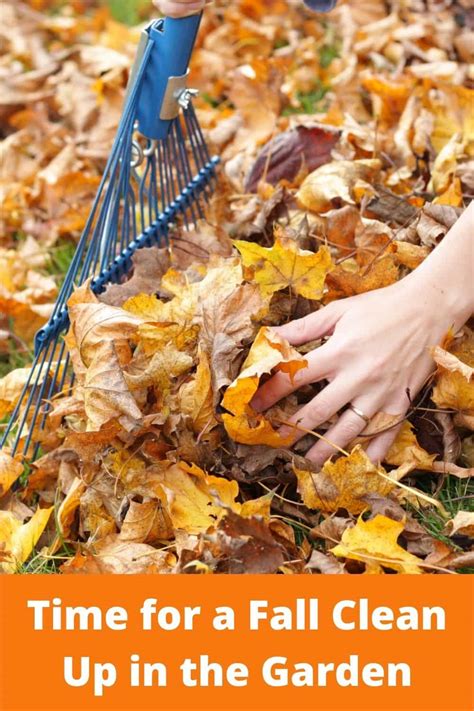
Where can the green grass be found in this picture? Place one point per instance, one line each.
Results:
(130, 12)
(43, 564)
(309, 102)
(60, 258)
(40, 564)
(18, 354)
(455, 495)
(327, 53)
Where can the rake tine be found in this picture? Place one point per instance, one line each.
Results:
(140, 196)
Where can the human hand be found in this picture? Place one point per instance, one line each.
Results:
(377, 359)
(180, 8)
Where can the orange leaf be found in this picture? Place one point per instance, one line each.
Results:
(269, 353)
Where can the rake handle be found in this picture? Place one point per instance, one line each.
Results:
(173, 42)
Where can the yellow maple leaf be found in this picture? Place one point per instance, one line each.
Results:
(285, 265)
(10, 470)
(269, 353)
(196, 500)
(343, 483)
(18, 539)
(375, 541)
(406, 452)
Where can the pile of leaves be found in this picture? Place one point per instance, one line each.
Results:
(347, 145)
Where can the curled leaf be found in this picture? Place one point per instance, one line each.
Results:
(453, 388)
(461, 525)
(333, 183)
(269, 353)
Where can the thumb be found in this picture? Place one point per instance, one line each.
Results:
(316, 325)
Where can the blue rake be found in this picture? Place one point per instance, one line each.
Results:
(159, 171)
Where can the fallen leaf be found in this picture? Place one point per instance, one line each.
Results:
(10, 470)
(19, 539)
(461, 525)
(147, 522)
(292, 153)
(342, 484)
(332, 184)
(106, 393)
(196, 500)
(114, 556)
(285, 265)
(450, 362)
(326, 564)
(375, 541)
(410, 255)
(406, 452)
(343, 281)
(197, 397)
(453, 389)
(225, 325)
(149, 265)
(269, 353)
(239, 545)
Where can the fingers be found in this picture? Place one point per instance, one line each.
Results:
(319, 409)
(316, 325)
(380, 445)
(179, 8)
(347, 428)
(280, 385)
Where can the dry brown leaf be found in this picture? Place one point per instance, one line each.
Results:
(112, 555)
(106, 393)
(326, 564)
(332, 184)
(147, 522)
(461, 525)
(342, 484)
(453, 390)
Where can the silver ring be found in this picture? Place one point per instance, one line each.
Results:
(359, 413)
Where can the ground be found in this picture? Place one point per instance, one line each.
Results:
(347, 148)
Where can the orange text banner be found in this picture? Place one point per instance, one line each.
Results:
(224, 642)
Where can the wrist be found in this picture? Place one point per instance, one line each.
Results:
(442, 299)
